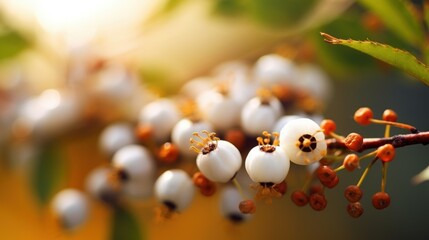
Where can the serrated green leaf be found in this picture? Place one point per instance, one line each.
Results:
(125, 226)
(397, 16)
(48, 173)
(403, 60)
(11, 43)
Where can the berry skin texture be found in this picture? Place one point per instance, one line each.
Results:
(200, 180)
(71, 207)
(386, 152)
(381, 200)
(355, 209)
(169, 153)
(353, 193)
(303, 141)
(281, 187)
(267, 167)
(116, 136)
(318, 201)
(363, 116)
(325, 174)
(299, 198)
(175, 189)
(221, 163)
(354, 141)
(209, 189)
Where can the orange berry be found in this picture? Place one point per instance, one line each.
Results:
(328, 126)
(318, 201)
(247, 206)
(351, 162)
(380, 200)
(363, 116)
(355, 209)
(281, 187)
(299, 198)
(390, 115)
(386, 152)
(143, 132)
(169, 153)
(354, 141)
(325, 174)
(200, 180)
(209, 189)
(353, 193)
(236, 137)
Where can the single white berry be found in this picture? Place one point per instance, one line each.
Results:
(134, 162)
(218, 160)
(99, 186)
(116, 136)
(229, 205)
(274, 69)
(175, 189)
(219, 109)
(259, 114)
(184, 129)
(303, 141)
(161, 115)
(314, 81)
(267, 163)
(71, 207)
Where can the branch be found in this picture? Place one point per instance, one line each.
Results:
(397, 141)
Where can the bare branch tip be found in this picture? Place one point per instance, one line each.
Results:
(330, 39)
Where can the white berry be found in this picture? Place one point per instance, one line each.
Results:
(184, 129)
(71, 207)
(116, 136)
(135, 161)
(229, 205)
(175, 189)
(303, 141)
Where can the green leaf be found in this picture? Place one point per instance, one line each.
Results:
(278, 13)
(125, 226)
(393, 56)
(48, 173)
(396, 15)
(11, 43)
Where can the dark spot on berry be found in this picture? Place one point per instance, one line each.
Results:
(267, 184)
(170, 205)
(235, 217)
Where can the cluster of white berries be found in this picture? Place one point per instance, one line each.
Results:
(266, 115)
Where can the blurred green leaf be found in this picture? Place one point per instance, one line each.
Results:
(11, 43)
(278, 13)
(228, 7)
(396, 15)
(48, 173)
(393, 56)
(125, 226)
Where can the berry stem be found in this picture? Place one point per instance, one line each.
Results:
(387, 131)
(339, 168)
(400, 140)
(395, 124)
(239, 188)
(384, 176)
(366, 171)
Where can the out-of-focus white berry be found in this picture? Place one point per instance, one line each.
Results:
(99, 186)
(175, 189)
(116, 136)
(303, 141)
(183, 130)
(218, 160)
(422, 176)
(196, 86)
(260, 114)
(230, 200)
(274, 69)
(314, 81)
(71, 207)
(219, 109)
(267, 164)
(282, 121)
(135, 161)
(161, 115)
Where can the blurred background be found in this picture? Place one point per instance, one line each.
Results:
(103, 60)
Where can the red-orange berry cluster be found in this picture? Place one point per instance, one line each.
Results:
(207, 187)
